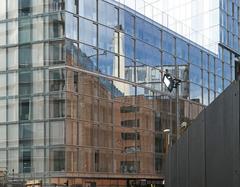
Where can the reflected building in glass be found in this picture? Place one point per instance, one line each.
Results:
(81, 97)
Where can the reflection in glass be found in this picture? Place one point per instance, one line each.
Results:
(182, 49)
(195, 93)
(71, 26)
(87, 9)
(87, 32)
(108, 64)
(108, 14)
(168, 43)
(108, 39)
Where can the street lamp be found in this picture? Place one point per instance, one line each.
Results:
(170, 82)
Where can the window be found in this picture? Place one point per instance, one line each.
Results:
(57, 107)
(56, 26)
(107, 63)
(26, 134)
(25, 109)
(25, 56)
(25, 161)
(72, 6)
(108, 14)
(87, 8)
(130, 123)
(55, 5)
(148, 32)
(108, 39)
(25, 83)
(195, 93)
(182, 49)
(25, 7)
(130, 136)
(55, 53)
(128, 109)
(58, 160)
(71, 26)
(126, 22)
(195, 55)
(57, 80)
(130, 166)
(168, 43)
(158, 143)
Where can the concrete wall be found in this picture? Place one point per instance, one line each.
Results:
(207, 155)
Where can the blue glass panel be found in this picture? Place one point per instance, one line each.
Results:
(87, 8)
(87, 57)
(219, 84)
(195, 93)
(226, 83)
(148, 32)
(227, 71)
(167, 59)
(72, 6)
(218, 67)
(205, 79)
(71, 26)
(205, 96)
(211, 64)
(195, 55)
(212, 81)
(87, 32)
(205, 60)
(127, 46)
(211, 96)
(107, 14)
(195, 74)
(182, 49)
(147, 54)
(107, 63)
(168, 42)
(126, 21)
(108, 39)
(226, 56)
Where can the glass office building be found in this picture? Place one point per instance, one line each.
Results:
(81, 97)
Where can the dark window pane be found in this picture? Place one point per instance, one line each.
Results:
(57, 80)
(59, 160)
(25, 83)
(25, 56)
(25, 7)
(25, 109)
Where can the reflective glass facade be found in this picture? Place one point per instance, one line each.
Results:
(81, 96)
